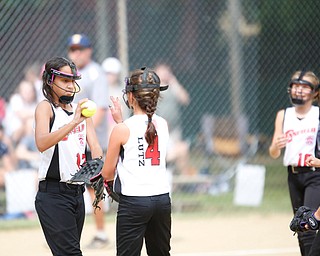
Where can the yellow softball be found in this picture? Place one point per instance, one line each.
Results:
(90, 108)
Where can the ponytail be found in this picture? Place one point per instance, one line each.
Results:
(151, 132)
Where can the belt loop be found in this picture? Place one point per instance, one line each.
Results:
(79, 190)
(43, 186)
(293, 169)
(61, 188)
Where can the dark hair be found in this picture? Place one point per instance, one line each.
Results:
(147, 97)
(54, 63)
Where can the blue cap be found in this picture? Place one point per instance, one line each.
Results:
(79, 40)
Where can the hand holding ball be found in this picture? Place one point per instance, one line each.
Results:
(90, 108)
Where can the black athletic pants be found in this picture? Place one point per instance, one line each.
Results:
(147, 217)
(304, 189)
(60, 208)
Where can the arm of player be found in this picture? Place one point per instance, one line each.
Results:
(92, 140)
(119, 136)
(279, 140)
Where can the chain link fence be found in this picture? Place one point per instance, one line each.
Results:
(234, 57)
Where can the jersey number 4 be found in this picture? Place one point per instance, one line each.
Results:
(153, 152)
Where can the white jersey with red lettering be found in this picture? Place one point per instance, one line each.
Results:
(301, 135)
(142, 168)
(64, 158)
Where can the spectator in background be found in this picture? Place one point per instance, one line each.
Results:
(112, 68)
(20, 111)
(2, 109)
(26, 151)
(33, 74)
(94, 87)
(169, 107)
(7, 162)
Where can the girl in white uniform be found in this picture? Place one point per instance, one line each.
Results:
(296, 130)
(61, 135)
(144, 210)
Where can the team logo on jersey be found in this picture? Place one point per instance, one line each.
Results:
(309, 140)
(290, 134)
(81, 139)
(77, 129)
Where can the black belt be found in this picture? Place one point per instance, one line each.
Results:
(302, 169)
(60, 187)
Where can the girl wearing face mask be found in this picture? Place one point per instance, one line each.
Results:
(137, 156)
(62, 134)
(295, 131)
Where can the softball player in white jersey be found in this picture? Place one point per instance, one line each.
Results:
(297, 130)
(61, 135)
(144, 210)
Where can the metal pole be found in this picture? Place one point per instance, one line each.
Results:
(102, 49)
(235, 58)
(236, 72)
(123, 37)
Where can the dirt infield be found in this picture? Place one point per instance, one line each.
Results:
(191, 236)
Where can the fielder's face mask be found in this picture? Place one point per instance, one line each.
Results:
(298, 100)
(129, 87)
(64, 99)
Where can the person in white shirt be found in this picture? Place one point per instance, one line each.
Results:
(61, 135)
(136, 160)
(94, 86)
(112, 68)
(296, 131)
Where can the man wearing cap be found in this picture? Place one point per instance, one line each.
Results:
(94, 87)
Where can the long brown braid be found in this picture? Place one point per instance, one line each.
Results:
(147, 99)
